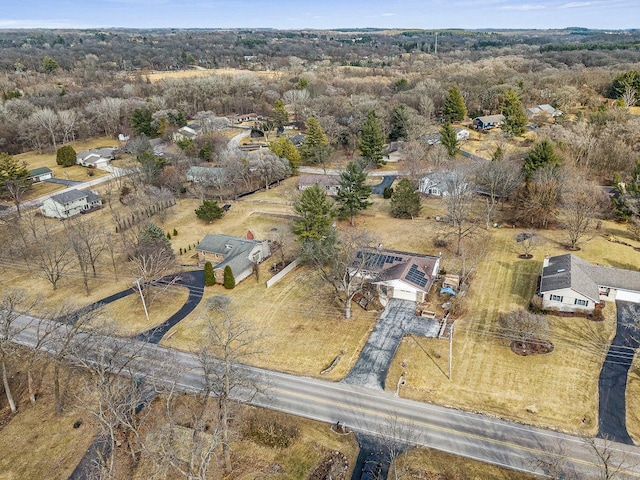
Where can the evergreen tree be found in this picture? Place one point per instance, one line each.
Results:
(66, 156)
(315, 215)
(229, 281)
(141, 122)
(449, 138)
(49, 65)
(283, 148)
(405, 201)
(352, 193)
(626, 201)
(624, 80)
(279, 115)
(454, 109)
(398, 123)
(209, 211)
(14, 179)
(371, 140)
(515, 120)
(540, 155)
(316, 143)
(152, 236)
(209, 275)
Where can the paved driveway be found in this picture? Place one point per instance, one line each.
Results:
(397, 320)
(612, 384)
(387, 181)
(62, 181)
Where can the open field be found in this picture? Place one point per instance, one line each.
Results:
(418, 462)
(156, 76)
(487, 376)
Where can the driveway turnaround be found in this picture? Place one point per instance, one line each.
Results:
(397, 320)
(387, 181)
(62, 181)
(613, 376)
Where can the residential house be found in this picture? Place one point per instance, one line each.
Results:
(570, 284)
(488, 122)
(402, 275)
(433, 138)
(97, 157)
(40, 174)
(298, 140)
(70, 203)
(436, 184)
(545, 109)
(206, 175)
(241, 254)
(189, 132)
(245, 117)
(328, 182)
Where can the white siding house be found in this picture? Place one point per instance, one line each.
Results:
(68, 204)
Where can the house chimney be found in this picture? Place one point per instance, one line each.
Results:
(545, 262)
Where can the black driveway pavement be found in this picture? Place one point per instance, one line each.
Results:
(387, 181)
(613, 376)
(62, 181)
(397, 320)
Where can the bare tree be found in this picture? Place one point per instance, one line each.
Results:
(553, 462)
(608, 459)
(270, 167)
(10, 302)
(582, 202)
(88, 242)
(150, 264)
(232, 340)
(68, 120)
(528, 242)
(48, 120)
(15, 189)
(459, 188)
(342, 264)
(629, 96)
(539, 198)
(497, 179)
(524, 329)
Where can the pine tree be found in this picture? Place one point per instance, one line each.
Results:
(153, 236)
(315, 215)
(398, 123)
(449, 138)
(540, 155)
(352, 193)
(371, 140)
(316, 143)
(283, 148)
(515, 120)
(209, 211)
(209, 275)
(279, 114)
(229, 281)
(405, 201)
(454, 109)
(66, 156)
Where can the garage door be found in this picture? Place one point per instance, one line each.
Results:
(628, 296)
(404, 294)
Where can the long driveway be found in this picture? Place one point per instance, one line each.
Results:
(375, 412)
(612, 384)
(397, 320)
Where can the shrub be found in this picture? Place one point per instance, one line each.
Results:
(229, 281)
(271, 430)
(209, 275)
(175, 232)
(66, 156)
(387, 192)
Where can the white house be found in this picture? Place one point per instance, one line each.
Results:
(97, 157)
(206, 175)
(544, 109)
(68, 204)
(433, 138)
(438, 183)
(402, 275)
(241, 254)
(488, 122)
(570, 284)
(190, 132)
(40, 174)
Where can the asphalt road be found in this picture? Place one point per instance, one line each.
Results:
(612, 384)
(377, 412)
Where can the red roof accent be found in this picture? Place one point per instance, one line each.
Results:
(249, 235)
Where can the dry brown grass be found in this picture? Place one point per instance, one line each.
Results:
(560, 387)
(156, 76)
(421, 461)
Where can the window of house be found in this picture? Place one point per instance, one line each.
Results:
(556, 298)
(582, 303)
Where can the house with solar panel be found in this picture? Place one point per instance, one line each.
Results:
(401, 275)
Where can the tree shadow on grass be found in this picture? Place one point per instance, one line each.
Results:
(431, 357)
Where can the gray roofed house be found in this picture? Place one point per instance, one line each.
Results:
(70, 203)
(402, 275)
(298, 140)
(205, 175)
(330, 183)
(568, 283)
(241, 254)
(487, 122)
(544, 109)
(96, 157)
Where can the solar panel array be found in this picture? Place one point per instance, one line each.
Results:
(376, 260)
(416, 276)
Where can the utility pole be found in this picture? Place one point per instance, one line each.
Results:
(450, 351)
(435, 47)
(144, 304)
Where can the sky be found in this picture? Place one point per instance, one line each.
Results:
(321, 14)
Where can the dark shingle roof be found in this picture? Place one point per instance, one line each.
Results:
(68, 197)
(235, 250)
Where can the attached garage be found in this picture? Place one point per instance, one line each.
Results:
(405, 294)
(628, 296)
